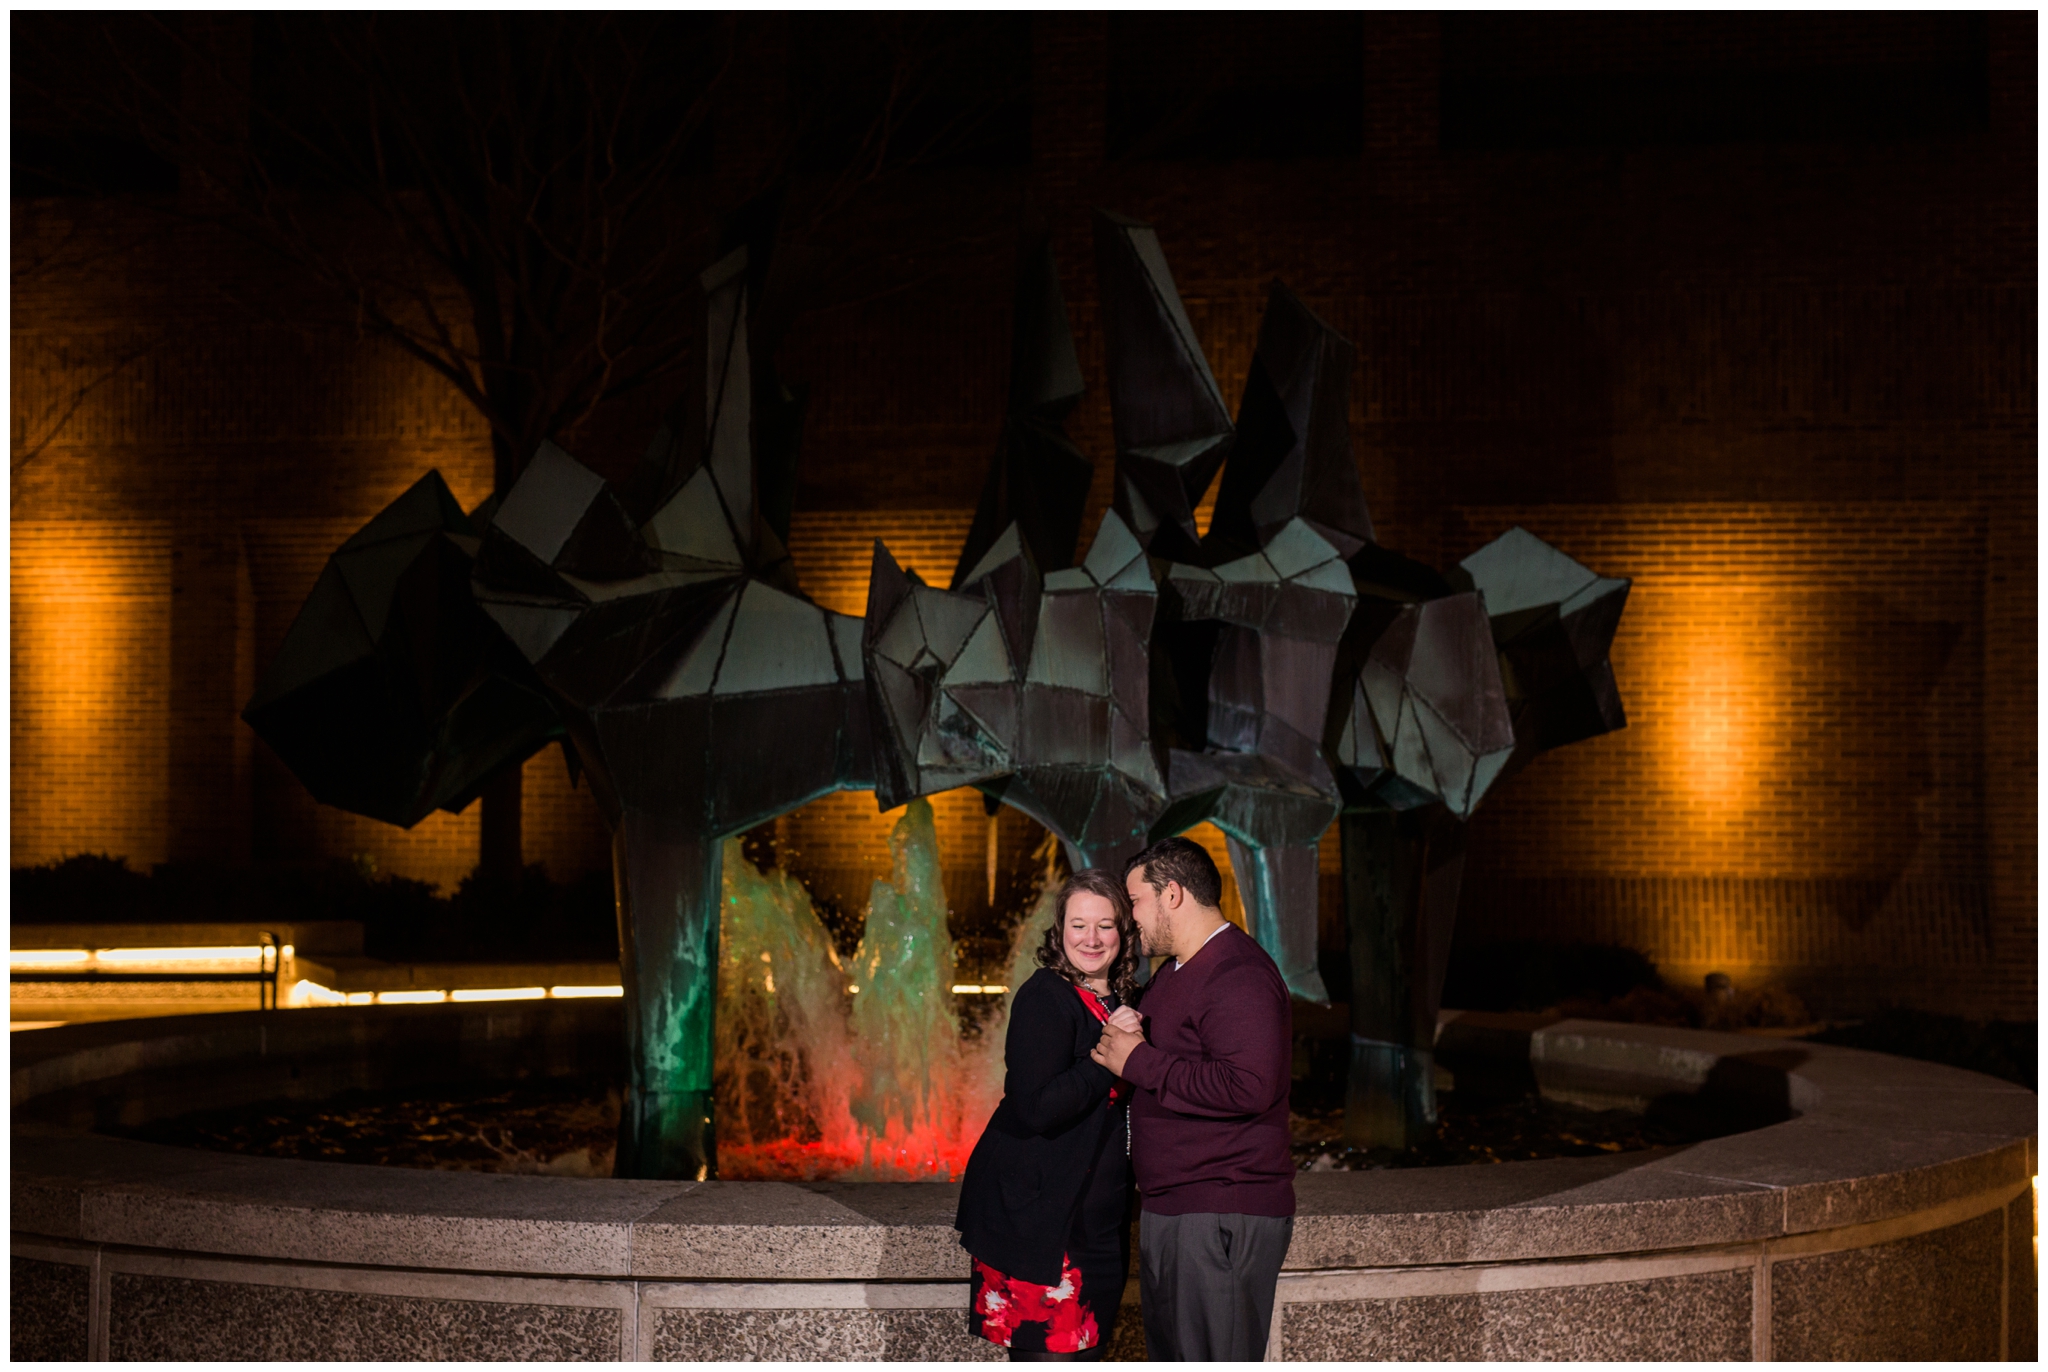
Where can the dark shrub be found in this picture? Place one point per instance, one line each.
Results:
(1537, 976)
(486, 919)
(88, 888)
(2007, 1050)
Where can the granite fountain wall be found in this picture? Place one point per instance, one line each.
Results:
(1888, 1214)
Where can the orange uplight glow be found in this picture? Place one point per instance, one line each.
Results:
(90, 642)
(1705, 670)
(1713, 749)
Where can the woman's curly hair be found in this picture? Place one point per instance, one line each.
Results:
(1123, 968)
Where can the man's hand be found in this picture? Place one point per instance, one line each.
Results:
(1113, 1049)
(1128, 1020)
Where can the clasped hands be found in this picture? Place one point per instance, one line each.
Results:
(1120, 1035)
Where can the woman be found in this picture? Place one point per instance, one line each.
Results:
(1044, 1208)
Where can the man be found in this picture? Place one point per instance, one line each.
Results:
(1209, 1119)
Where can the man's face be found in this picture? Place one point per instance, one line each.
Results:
(1150, 912)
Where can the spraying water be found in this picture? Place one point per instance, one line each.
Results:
(785, 1058)
(852, 1070)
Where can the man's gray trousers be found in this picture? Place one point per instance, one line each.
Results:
(1206, 1284)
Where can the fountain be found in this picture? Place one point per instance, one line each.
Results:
(1268, 674)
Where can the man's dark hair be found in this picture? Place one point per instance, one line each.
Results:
(1182, 860)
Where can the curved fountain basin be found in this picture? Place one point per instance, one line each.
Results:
(1890, 1217)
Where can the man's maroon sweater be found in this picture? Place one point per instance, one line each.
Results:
(1209, 1119)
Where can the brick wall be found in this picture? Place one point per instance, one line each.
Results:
(1799, 796)
(89, 636)
(1786, 385)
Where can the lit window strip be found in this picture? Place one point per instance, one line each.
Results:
(241, 954)
(313, 993)
(47, 957)
(29, 958)
(308, 992)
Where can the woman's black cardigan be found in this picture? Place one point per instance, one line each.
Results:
(1033, 1164)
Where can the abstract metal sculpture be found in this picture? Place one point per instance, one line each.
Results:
(1054, 725)
(1457, 689)
(1267, 674)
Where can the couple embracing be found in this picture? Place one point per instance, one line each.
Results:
(1182, 1085)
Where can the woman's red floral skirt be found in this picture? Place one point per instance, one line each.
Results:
(1003, 1305)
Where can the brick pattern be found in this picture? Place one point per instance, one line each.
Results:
(834, 550)
(561, 827)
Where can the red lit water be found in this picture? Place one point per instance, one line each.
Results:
(849, 1069)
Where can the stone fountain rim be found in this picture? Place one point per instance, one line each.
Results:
(1876, 1141)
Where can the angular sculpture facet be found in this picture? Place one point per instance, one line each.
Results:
(392, 695)
(1553, 621)
(1039, 479)
(1292, 458)
(1172, 431)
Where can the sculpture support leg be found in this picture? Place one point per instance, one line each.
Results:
(1280, 890)
(668, 894)
(1389, 1094)
(1401, 877)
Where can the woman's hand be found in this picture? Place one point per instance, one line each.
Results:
(1126, 1019)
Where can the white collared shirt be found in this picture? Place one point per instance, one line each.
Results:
(1205, 942)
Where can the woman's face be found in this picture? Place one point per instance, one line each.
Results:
(1090, 932)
